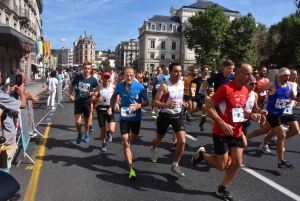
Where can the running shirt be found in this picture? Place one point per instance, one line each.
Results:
(250, 102)
(260, 83)
(146, 80)
(174, 94)
(289, 108)
(83, 85)
(187, 81)
(198, 89)
(232, 102)
(218, 79)
(136, 93)
(166, 76)
(106, 94)
(140, 77)
(278, 101)
(96, 76)
(160, 79)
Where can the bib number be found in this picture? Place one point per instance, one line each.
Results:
(127, 112)
(193, 91)
(200, 90)
(157, 86)
(145, 84)
(238, 115)
(288, 111)
(281, 103)
(264, 93)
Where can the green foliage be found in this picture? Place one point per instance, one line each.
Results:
(297, 3)
(135, 64)
(105, 65)
(205, 33)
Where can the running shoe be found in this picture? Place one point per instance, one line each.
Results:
(176, 170)
(189, 122)
(285, 165)
(79, 138)
(153, 155)
(103, 148)
(86, 138)
(283, 149)
(222, 192)
(109, 137)
(201, 123)
(152, 111)
(174, 146)
(132, 174)
(265, 148)
(198, 156)
(91, 129)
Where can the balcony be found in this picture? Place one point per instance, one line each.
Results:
(16, 9)
(24, 15)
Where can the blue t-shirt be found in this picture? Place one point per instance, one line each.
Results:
(279, 100)
(166, 77)
(158, 82)
(59, 77)
(136, 93)
(218, 79)
(83, 85)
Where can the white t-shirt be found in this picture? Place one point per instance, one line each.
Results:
(52, 82)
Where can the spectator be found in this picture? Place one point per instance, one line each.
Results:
(52, 85)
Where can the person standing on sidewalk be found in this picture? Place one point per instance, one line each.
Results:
(131, 93)
(52, 85)
(84, 87)
(227, 130)
(169, 98)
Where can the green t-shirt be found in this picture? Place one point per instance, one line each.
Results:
(83, 85)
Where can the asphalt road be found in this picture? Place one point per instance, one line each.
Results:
(82, 172)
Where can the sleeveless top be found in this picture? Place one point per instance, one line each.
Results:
(279, 100)
(250, 102)
(289, 108)
(105, 94)
(174, 94)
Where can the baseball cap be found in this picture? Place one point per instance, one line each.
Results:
(94, 66)
(106, 74)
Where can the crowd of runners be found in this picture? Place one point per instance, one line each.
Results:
(229, 100)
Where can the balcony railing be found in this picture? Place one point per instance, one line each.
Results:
(24, 14)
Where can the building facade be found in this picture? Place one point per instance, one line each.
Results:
(161, 39)
(84, 50)
(65, 58)
(125, 53)
(20, 28)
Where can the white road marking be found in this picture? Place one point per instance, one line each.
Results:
(143, 110)
(191, 137)
(154, 117)
(271, 183)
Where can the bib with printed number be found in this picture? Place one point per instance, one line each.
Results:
(238, 115)
(281, 103)
(127, 112)
(288, 110)
(157, 86)
(145, 84)
(263, 93)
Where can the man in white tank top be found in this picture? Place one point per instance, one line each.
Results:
(169, 98)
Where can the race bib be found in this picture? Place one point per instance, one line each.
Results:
(145, 84)
(193, 91)
(264, 93)
(200, 90)
(288, 110)
(238, 115)
(127, 112)
(281, 103)
(157, 86)
(84, 87)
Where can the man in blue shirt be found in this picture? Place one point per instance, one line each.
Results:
(131, 93)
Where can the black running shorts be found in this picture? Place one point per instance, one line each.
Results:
(82, 108)
(104, 117)
(288, 118)
(164, 120)
(222, 143)
(127, 126)
(274, 120)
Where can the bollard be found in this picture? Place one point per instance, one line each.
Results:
(3, 155)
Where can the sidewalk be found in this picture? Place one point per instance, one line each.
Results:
(35, 87)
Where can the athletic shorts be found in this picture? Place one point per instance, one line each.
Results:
(127, 126)
(288, 118)
(200, 101)
(153, 93)
(246, 124)
(187, 98)
(82, 108)
(223, 143)
(274, 120)
(103, 117)
(164, 120)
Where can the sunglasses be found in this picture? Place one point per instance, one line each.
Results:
(253, 83)
(106, 77)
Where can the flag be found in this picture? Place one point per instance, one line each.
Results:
(47, 47)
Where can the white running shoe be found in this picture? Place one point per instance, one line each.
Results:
(265, 148)
(153, 155)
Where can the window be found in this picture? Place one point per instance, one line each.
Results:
(152, 27)
(152, 56)
(163, 28)
(162, 66)
(163, 45)
(173, 45)
(162, 56)
(174, 28)
(85, 46)
(152, 44)
(173, 56)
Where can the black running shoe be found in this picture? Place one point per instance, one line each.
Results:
(202, 121)
(222, 192)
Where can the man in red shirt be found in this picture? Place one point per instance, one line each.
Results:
(227, 130)
(261, 80)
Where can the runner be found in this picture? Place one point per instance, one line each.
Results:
(169, 97)
(146, 81)
(216, 80)
(131, 93)
(93, 105)
(227, 130)
(187, 94)
(84, 86)
(102, 96)
(261, 81)
(279, 95)
(156, 80)
(140, 76)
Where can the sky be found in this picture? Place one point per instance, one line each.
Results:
(112, 21)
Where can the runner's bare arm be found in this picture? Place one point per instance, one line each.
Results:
(163, 88)
(204, 87)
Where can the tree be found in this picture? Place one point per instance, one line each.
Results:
(260, 45)
(205, 33)
(108, 51)
(238, 44)
(297, 3)
(135, 64)
(105, 65)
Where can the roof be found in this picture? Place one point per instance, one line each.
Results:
(202, 4)
(162, 18)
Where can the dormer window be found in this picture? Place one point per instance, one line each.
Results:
(153, 27)
(174, 28)
(163, 28)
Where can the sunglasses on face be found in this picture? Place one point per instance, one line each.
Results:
(253, 84)
(106, 77)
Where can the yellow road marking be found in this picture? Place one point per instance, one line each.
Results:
(34, 179)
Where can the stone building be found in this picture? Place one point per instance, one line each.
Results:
(125, 53)
(84, 50)
(65, 58)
